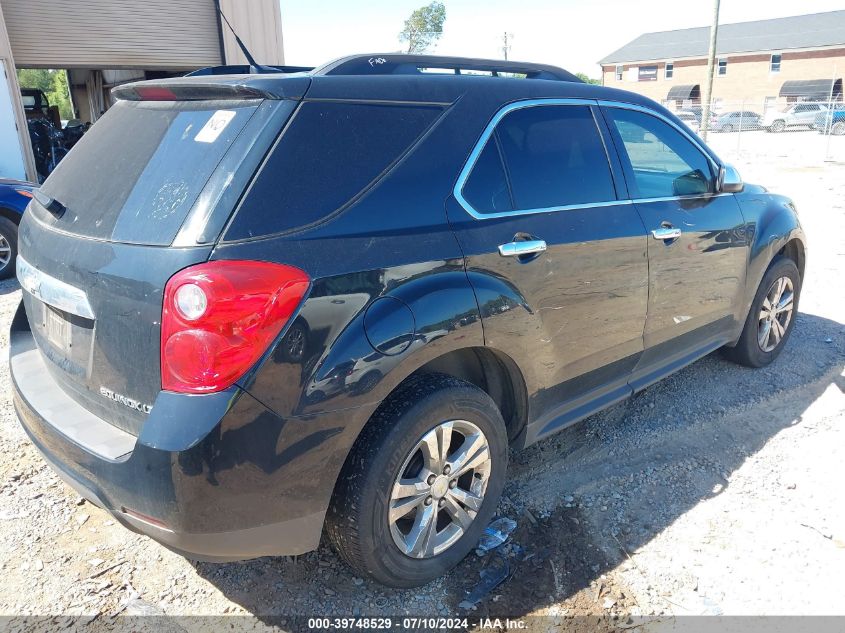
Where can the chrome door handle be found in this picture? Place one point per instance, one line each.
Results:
(666, 233)
(518, 249)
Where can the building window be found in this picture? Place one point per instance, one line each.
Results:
(774, 65)
(619, 73)
(669, 70)
(723, 66)
(647, 73)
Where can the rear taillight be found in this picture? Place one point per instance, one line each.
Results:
(220, 317)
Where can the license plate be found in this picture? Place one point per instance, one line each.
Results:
(58, 330)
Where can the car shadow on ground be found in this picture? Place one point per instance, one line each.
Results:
(8, 286)
(574, 525)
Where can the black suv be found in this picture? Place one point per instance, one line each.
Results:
(258, 307)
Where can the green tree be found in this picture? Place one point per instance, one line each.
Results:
(52, 83)
(424, 27)
(588, 80)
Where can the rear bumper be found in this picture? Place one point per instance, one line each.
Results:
(294, 536)
(220, 476)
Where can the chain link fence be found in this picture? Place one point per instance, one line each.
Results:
(804, 132)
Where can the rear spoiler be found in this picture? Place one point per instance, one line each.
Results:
(244, 69)
(210, 87)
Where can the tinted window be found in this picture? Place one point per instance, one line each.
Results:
(662, 162)
(135, 175)
(486, 189)
(329, 154)
(554, 157)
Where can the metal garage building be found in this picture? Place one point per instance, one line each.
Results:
(103, 43)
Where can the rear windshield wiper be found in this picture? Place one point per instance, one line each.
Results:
(51, 204)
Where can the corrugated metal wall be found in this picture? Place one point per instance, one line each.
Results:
(150, 34)
(259, 24)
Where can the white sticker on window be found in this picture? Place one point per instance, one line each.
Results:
(215, 126)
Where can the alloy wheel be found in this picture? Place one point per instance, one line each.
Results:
(775, 314)
(5, 252)
(439, 489)
(295, 343)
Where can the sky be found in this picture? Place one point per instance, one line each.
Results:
(566, 33)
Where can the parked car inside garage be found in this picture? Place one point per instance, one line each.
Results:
(14, 196)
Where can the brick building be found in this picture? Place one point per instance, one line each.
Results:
(761, 64)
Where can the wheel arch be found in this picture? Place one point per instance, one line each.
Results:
(493, 372)
(773, 230)
(794, 249)
(11, 215)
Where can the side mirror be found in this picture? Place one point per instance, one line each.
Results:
(691, 184)
(729, 180)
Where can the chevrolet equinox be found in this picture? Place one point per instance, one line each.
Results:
(262, 307)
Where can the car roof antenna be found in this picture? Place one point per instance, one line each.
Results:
(244, 49)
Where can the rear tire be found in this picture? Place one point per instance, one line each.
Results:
(759, 346)
(838, 128)
(365, 521)
(8, 247)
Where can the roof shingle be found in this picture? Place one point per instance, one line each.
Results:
(779, 34)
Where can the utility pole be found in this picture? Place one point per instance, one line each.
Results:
(711, 59)
(506, 46)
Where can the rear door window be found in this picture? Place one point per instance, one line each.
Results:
(330, 154)
(487, 189)
(136, 174)
(538, 158)
(555, 157)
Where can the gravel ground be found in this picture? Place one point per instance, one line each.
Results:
(717, 491)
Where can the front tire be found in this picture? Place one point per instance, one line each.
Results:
(777, 126)
(771, 318)
(8, 247)
(421, 483)
(838, 128)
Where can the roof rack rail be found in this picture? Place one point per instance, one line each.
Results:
(408, 64)
(245, 69)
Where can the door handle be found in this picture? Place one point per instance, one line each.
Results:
(520, 249)
(666, 233)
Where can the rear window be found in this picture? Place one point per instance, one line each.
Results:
(136, 174)
(330, 154)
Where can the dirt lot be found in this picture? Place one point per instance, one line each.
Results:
(717, 491)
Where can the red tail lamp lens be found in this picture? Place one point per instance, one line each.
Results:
(220, 317)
